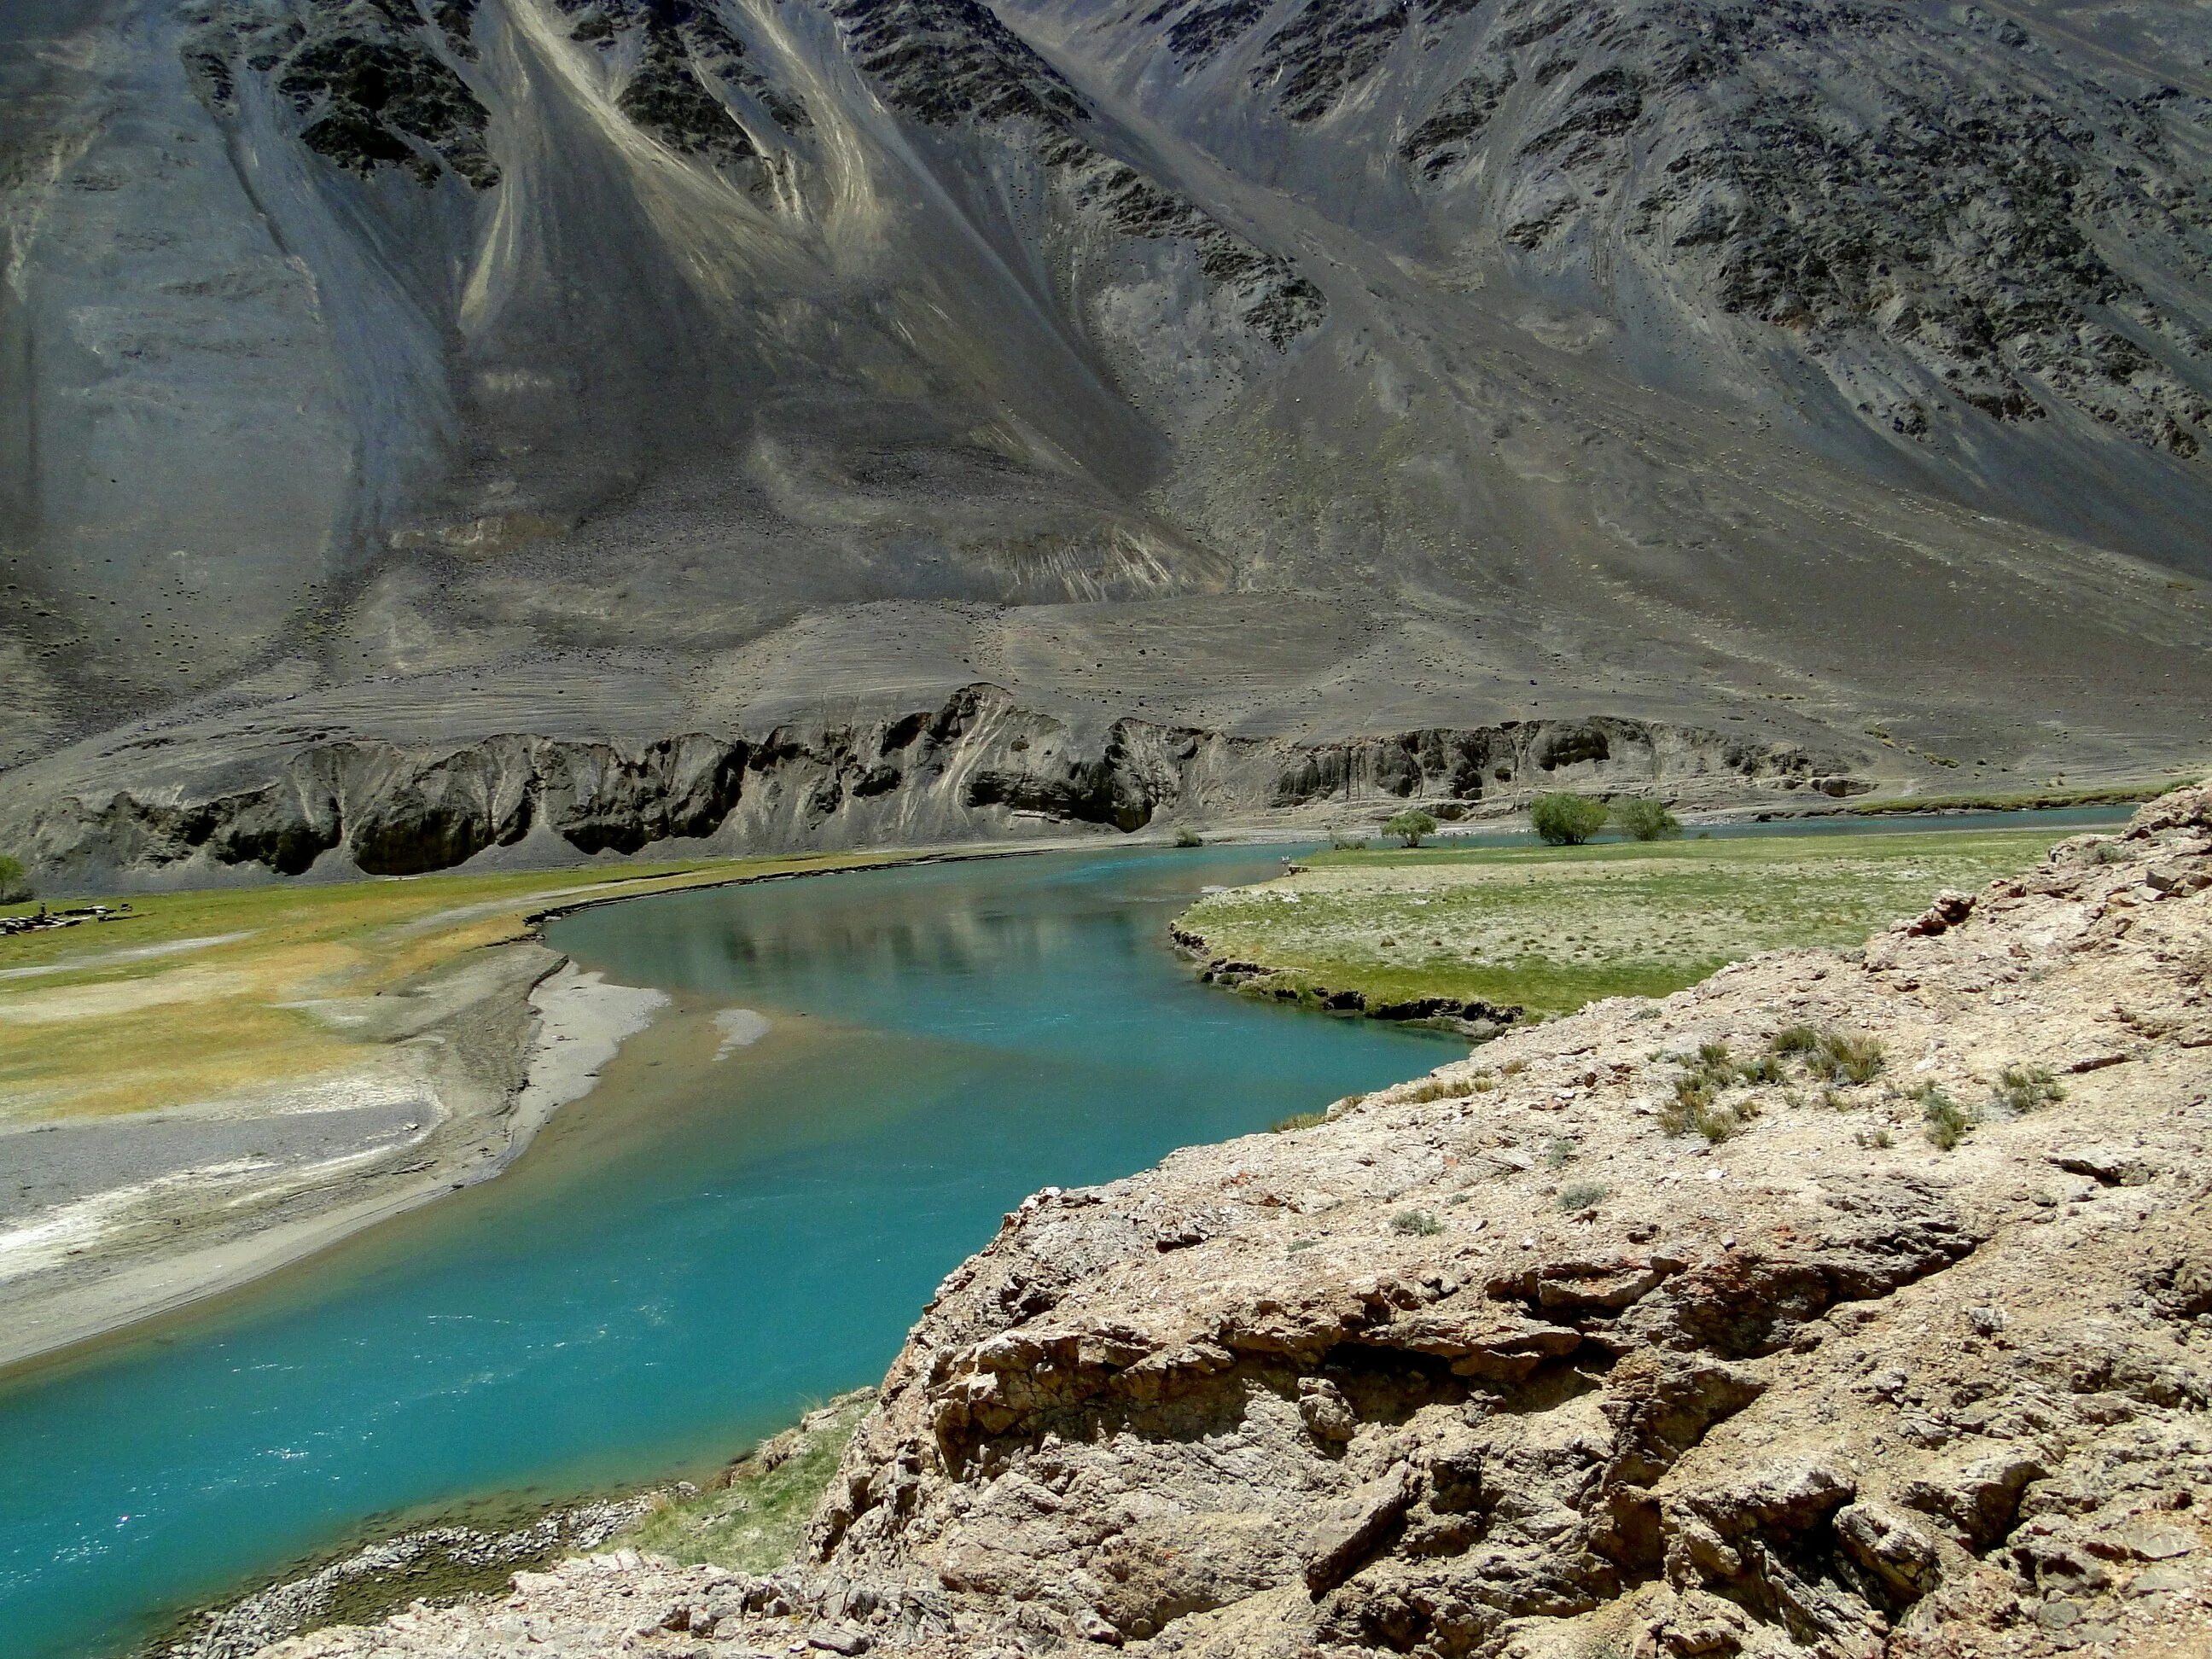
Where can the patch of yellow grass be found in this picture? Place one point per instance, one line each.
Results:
(98, 1030)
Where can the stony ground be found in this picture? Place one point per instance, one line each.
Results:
(1843, 1305)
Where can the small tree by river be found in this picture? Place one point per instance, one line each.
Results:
(1413, 827)
(1566, 820)
(1646, 818)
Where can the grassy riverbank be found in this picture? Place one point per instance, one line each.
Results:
(203, 994)
(1549, 929)
(2117, 794)
(751, 1519)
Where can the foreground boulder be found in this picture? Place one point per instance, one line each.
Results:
(1841, 1305)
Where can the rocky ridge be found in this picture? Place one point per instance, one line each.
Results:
(977, 762)
(1846, 1305)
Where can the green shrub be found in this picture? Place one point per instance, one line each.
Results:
(1766, 1068)
(1188, 838)
(1297, 1120)
(752, 1522)
(1697, 1103)
(1416, 1223)
(1413, 827)
(1344, 841)
(1560, 1153)
(1440, 1088)
(1843, 1057)
(1568, 820)
(2025, 1088)
(1795, 1040)
(14, 885)
(1583, 1195)
(1945, 1122)
(1643, 818)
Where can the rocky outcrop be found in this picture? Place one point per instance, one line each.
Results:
(1464, 765)
(949, 62)
(977, 764)
(374, 84)
(1799, 1372)
(1942, 212)
(442, 1560)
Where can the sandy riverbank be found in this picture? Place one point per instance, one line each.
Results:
(427, 1063)
(172, 1208)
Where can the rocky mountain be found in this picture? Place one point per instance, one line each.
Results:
(417, 373)
(1845, 1306)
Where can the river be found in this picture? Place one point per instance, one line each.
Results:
(688, 1258)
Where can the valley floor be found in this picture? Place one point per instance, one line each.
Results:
(226, 1081)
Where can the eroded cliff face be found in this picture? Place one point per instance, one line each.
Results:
(977, 765)
(1648, 1332)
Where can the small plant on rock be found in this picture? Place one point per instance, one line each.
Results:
(1297, 1120)
(1844, 1058)
(1795, 1041)
(1416, 1223)
(1643, 818)
(1439, 1088)
(1945, 1121)
(2027, 1089)
(1566, 820)
(1697, 1103)
(1411, 827)
(1560, 1153)
(1577, 1195)
(1762, 1068)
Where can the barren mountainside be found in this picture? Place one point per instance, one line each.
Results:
(417, 372)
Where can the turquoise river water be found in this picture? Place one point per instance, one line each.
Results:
(688, 1258)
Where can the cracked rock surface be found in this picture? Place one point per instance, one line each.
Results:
(1493, 1364)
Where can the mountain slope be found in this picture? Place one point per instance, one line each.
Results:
(415, 371)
